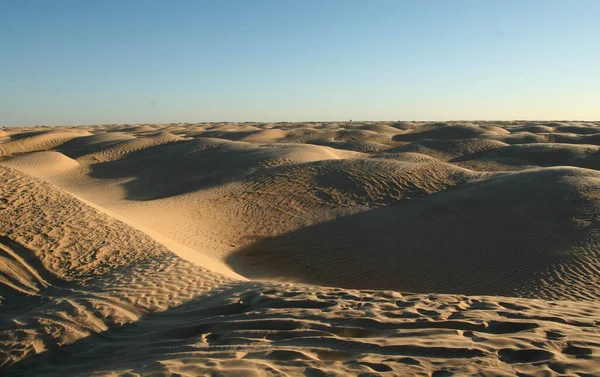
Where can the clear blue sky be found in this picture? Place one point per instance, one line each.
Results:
(128, 61)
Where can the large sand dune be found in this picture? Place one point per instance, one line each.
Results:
(315, 249)
(486, 237)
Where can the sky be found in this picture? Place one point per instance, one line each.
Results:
(134, 61)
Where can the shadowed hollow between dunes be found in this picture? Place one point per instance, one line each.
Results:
(532, 233)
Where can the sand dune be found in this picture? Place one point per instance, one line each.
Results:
(486, 237)
(405, 156)
(94, 143)
(447, 150)
(360, 138)
(42, 164)
(37, 141)
(85, 270)
(201, 163)
(123, 148)
(548, 154)
(455, 131)
(315, 249)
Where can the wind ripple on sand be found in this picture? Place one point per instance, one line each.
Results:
(265, 329)
(86, 271)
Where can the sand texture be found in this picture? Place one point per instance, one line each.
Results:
(301, 249)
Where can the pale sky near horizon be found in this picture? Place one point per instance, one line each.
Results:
(130, 61)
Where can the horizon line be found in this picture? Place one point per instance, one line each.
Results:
(304, 121)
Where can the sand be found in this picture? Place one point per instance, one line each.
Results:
(310, 249)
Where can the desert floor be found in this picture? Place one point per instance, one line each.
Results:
(301, 249)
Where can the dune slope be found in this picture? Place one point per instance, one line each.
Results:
(487, 237)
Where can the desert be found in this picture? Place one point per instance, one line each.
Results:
(387, 248)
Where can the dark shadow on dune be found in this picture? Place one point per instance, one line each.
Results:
(540, 154)
(18, 258)
(581, 130)
(591, 139)
(227, 135)
(25, 135)
(363, 146)
(502, 236)
(78, 147)
(444, 132)
(177, 168)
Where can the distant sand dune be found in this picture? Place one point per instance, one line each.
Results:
(39, 141)
(447, 150)
(201, 163)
